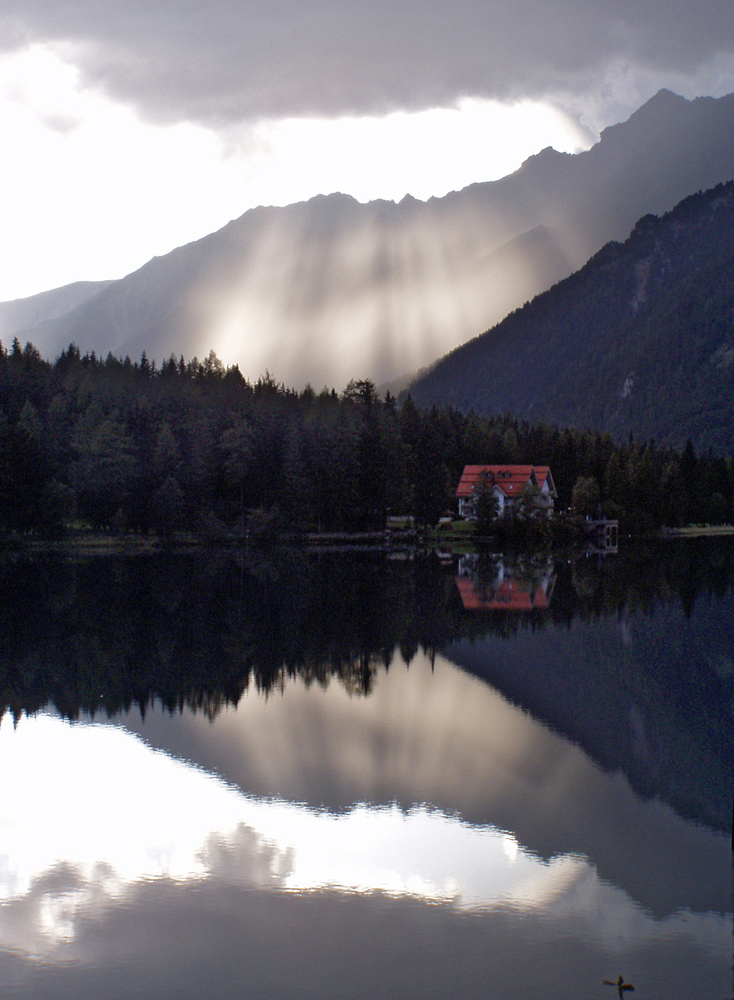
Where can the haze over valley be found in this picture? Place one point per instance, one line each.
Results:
(640, 340)
(329, 289)
(366, 499)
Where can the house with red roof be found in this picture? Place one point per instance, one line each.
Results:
(507, 483)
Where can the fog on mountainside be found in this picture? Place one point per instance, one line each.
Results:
(330, 289)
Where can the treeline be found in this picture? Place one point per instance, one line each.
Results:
(195, 446)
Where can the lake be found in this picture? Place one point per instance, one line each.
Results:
(348, 776)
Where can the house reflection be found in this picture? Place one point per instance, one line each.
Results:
(494, 583)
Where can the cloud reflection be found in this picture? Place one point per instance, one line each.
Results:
(96, 812)
(432, 733)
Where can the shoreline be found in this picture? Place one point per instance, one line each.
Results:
(96, 543)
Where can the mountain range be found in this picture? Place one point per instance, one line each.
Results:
(641, 339)
(330, 289)
(26, 314)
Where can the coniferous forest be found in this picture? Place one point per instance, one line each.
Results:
(113, 444)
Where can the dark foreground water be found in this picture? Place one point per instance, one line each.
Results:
(353, 778)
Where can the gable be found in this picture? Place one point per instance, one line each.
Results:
(545, 480)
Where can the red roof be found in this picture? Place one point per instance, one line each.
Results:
(510, 595)
(511, 479)
(543, 473)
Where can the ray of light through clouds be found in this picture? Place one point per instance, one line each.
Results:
(131, 129)
(424, 154)
(91, 191)
(97, 191)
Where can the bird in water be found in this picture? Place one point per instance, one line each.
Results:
(620, 984)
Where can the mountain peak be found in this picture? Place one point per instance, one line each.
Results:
(665, 96)
(660, 108)
(330, 288)
(663, 103)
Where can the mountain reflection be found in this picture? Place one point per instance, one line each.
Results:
(434, 734)
(154, 816)
(602, 662)
(189, 828)
(300, 773)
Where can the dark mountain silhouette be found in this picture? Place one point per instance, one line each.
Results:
(640, 339)
(326, 289)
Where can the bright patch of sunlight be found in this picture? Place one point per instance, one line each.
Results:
(96, 191)
(422, 153)
(91, 810)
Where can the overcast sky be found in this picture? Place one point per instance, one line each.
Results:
(132, 127)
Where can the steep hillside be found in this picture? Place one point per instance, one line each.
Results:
(19, 315)
(331, 289)
(640, 339)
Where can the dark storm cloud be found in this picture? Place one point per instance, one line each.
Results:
(227, 61)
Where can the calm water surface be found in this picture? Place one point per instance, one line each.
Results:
(345, 778)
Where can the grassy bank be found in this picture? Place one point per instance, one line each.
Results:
(698, 530)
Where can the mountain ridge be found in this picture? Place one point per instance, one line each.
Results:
(330, 288)
(17, 315)
(640, 340)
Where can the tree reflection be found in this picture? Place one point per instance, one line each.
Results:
(197, 631)
(108, 634)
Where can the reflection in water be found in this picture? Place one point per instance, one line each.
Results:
(498, 584)
(182, 823)
(120, 828)
(432, 734)
(279, 783)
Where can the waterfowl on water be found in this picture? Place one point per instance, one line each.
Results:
(620, 984)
